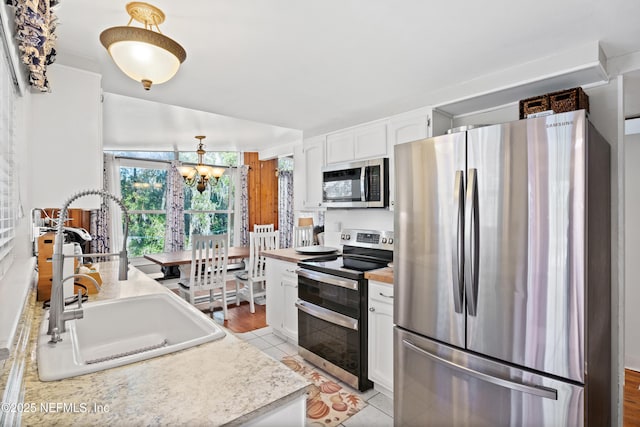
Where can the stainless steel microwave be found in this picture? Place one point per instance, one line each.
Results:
(362, 184)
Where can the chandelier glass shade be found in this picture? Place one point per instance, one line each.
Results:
(200, 175)
(145, 55)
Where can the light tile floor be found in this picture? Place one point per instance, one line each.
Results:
(379, 409)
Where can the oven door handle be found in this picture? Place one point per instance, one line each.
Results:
(370, 258)
(327, 315)
(328, 278)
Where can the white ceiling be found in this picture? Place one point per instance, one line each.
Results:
(137, 124)
(318, 66)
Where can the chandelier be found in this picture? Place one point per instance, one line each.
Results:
(144, 55)
(200, 174)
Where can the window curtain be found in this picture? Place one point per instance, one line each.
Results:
(174, 225)
(285, 207)
(243, 194)
(106, 237)
(35, 25)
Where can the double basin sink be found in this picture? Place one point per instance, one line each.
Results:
(122, 331)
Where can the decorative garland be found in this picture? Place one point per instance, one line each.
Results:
(35, 32)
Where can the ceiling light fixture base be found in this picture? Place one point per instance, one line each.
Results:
(145, 13)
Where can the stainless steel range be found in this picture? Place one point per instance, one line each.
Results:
(332, 305)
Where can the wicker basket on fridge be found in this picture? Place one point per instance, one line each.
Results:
(569, 100)
(533, 105)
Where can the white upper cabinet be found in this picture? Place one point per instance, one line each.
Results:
(340, 147)
(358, 143)
(418, 124)
(313, 153)
(405, 129)
(370, 141)
(367, 141)
(412, 126)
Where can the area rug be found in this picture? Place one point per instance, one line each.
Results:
(328, 404)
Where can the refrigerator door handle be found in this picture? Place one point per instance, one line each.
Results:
(544, 392)
(458, 242)
(471, 232)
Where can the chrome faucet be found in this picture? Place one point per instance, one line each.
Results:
(57, 314)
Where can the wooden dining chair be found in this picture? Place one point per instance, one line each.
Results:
(250, 284)
(209, 255)
(302, 236)
(263, 228)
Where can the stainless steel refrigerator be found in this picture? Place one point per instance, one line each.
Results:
(502, 274)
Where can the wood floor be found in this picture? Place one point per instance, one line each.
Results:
(240, 319)
(631, 398)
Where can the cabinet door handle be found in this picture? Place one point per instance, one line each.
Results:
(385, 296)
(372, 309)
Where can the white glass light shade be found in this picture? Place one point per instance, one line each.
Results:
(143, 55)
(217, 172)
(204, 170)
(143, 61)
(187, 171)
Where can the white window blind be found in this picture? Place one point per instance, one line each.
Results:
(8, 191)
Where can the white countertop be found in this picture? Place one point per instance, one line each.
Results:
(226, 381)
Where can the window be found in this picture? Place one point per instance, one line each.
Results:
(212, 211)
(8, 193)
(143, 190)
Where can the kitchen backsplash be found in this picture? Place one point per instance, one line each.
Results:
(368, 219)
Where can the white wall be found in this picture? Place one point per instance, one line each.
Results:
(364, 219)
(502, 114)
(632, 251)
(65, 133)
(367, 219)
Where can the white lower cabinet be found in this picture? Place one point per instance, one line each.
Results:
(293, 413)
(381, 336)
(282, 293)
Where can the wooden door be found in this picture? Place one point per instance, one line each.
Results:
(263, 190)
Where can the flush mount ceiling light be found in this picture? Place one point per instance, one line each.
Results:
(200, 174)
(145, 55)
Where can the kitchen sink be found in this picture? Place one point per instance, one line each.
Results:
(122, 331)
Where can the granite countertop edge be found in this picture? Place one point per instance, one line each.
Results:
(246, 382)
(384, 275)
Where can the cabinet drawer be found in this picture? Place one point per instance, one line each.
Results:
(381, 292)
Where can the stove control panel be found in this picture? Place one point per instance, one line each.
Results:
(367, 238)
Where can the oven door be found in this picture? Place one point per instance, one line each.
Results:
(331, 341)
(331, 292)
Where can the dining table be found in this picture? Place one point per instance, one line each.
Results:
(182, 259)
